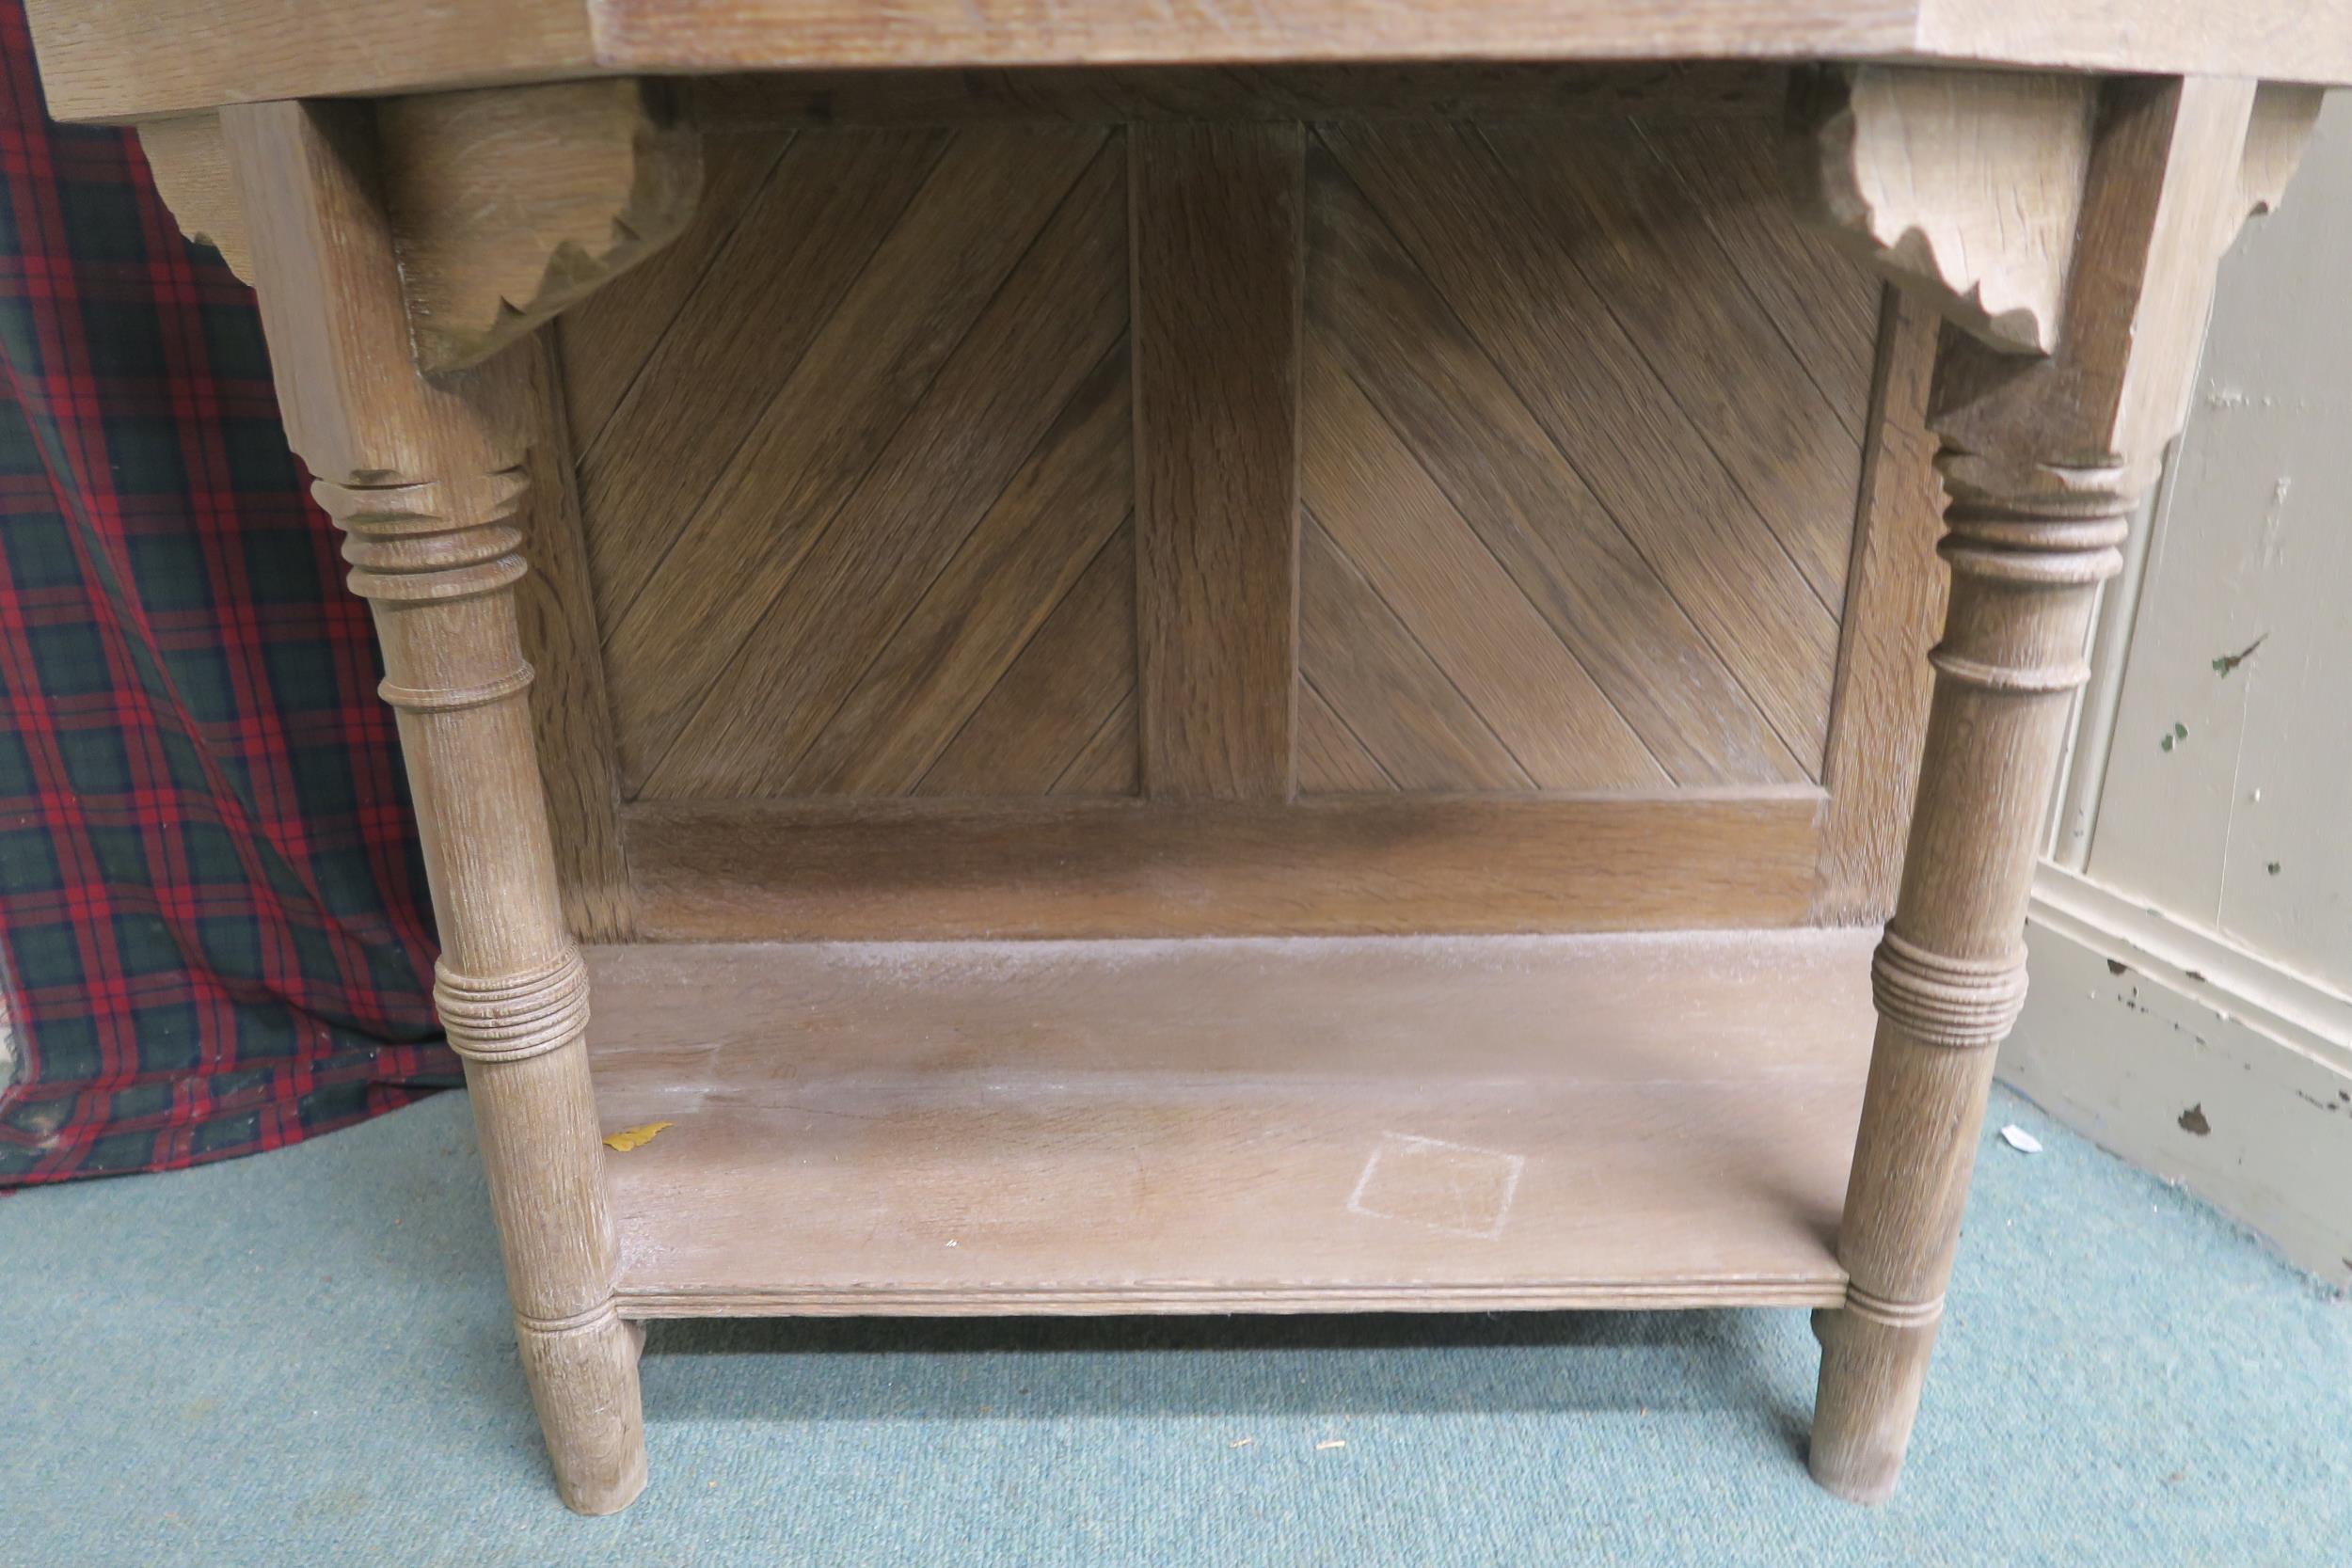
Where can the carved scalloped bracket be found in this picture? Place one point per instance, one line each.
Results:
(1968, 185)
(507, 204)
(190, 161)
(510, 203)
(1965, 184)
(2276, 132)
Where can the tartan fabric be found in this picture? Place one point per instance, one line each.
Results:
(212, 909)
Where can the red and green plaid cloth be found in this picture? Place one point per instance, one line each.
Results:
(212, 910)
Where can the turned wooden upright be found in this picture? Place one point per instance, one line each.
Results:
(2053, 419)
(425, 477)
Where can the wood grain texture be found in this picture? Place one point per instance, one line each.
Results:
(1262, 1126)
(2118, 386)
(510, 203)
(571, 713)
(1410, 498)
(1057, 701)
(608, 337)
(769, 286)
(821, 34)
(1386, 689)
(1401, 341)
(1664, 90)
(131, 59)
(1331, 760)
(2292, 40)
(1387, 520)
(876, 356)
(190, 162)
(507, 205)
(135, 60)
(1653, 414)
(1111, 762)
(1032, 348)
(2045, 465)
(1825, 307)
(425, 478)
(802, 256)
(920, 869)
(1010, 573)
(1968, 183)
(897, 561)
(1640, 238)
(1397, 497)
(1216, 217)
(1895, 597)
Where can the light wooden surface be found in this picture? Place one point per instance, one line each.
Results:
(1217, 256)
(2045, 460)
(2150, 247)
(829, 518)
(2278, 128)
(1902, 171)
(1894, 595)
(1652, 1121)
(509, 205)
(128, 59)
(1595, 484)
(189, 158)
(505, 207)
(556, 621)
(744, 870)
(424, 478)
(1458, 555)
(1249, 549)
(1701, 90)
(134, 60)
(1412, 352)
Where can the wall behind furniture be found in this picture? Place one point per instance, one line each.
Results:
(2192, 935)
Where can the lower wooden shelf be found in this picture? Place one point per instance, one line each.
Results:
(1208, 1124)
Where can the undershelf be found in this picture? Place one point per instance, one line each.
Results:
(1216, 1125)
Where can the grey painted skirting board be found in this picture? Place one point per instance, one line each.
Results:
(2195, 1058)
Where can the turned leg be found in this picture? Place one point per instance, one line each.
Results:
(2028, 549)
(424, 478)
(2044, 459)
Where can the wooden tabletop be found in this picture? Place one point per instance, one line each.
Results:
(133, 60)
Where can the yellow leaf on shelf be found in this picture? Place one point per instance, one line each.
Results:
(629, 1137)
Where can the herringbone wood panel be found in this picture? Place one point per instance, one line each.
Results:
(1548, 345)
(1579, 460)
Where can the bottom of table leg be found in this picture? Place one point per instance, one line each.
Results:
(1655, 1120)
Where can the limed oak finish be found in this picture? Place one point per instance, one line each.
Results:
(1179, 657)
(1253, 1125)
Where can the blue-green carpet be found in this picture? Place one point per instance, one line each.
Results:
(303, 1358)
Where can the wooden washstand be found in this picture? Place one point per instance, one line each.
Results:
(1193, 659)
